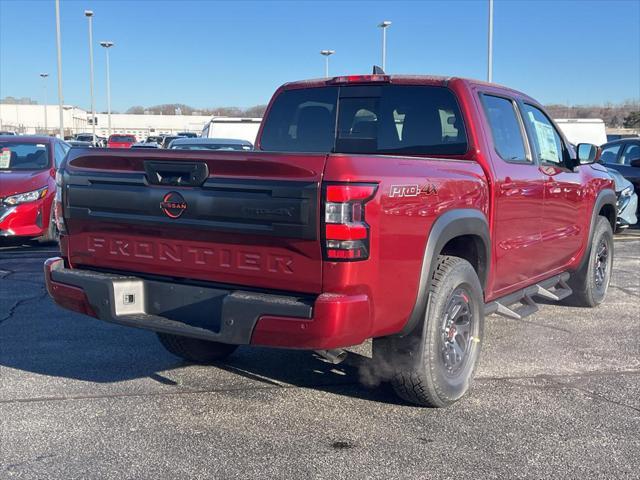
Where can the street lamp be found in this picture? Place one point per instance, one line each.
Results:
(59, 48)
(327, 54)
(107, 46)
(89, 15)
(44, 84)
(384, 25)
(490, 46)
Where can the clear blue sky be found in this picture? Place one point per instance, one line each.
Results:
(208, 53)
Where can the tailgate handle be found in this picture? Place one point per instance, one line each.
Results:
(178, 174)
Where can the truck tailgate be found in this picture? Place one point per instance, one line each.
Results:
(239, 218)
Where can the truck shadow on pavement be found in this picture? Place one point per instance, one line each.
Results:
(45, 340)
(39, 337)
(289, 368)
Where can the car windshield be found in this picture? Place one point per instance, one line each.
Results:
(121, 138)
(23, 156)
(374, 119)
(210, 146)
(84, 138)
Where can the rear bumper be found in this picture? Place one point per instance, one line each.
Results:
(222, 315)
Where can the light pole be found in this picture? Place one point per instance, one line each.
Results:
(44, 84)
(89, 15)
(326, 54)
(384, 25)
(490, 46)
(107, 46)
(59, 47)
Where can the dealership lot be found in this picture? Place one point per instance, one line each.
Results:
(556, 396)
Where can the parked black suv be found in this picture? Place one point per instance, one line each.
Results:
(624, 156)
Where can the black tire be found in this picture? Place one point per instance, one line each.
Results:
(51, 236)
(590, 283)
(195, 350)
(422, 366)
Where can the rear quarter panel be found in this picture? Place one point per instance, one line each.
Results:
(399, 226)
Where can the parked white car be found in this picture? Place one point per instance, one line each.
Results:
(583, 130)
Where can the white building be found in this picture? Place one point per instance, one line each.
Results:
(30, 119)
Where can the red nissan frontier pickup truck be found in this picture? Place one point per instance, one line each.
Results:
(402, 209)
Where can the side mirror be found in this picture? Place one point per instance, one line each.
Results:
(587, 153)
(635, 162)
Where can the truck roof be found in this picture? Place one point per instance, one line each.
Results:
(436, 80)
(397, 79)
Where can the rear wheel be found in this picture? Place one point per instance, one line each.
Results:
(195, 350)
(591, 282)
(434, 368)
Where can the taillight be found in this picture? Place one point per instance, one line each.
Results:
(346, 234)
(375, 78)
(58, 211)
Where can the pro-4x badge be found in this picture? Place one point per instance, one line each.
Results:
(413, 190)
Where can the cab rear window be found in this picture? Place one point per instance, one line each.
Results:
(369, 119)
(122, 138)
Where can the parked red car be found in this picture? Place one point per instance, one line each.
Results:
(27, 185)
(398, 208)
(121, 141)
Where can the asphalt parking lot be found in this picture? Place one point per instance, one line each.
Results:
(556, 396)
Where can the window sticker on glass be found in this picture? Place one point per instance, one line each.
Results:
(546, 140)
(5, 158)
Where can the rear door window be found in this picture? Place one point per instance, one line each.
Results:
(631, 152)
(371, 119)
(506, 129)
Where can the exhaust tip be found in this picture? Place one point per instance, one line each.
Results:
(334, 356)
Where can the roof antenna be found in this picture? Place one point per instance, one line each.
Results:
(378, 70)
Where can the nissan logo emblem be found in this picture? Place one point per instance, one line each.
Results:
(173, 205)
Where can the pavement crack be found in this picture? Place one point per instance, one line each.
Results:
(554, 383)
(626, 290)
(39, 458)
(261, 386)
(4, 273)
(21, 302)
(542, 325)
(597, 396)
(589, 393)
(596, 373)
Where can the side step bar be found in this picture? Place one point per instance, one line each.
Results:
(554, 288)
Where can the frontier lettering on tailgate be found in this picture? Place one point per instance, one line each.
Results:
(222, 258)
